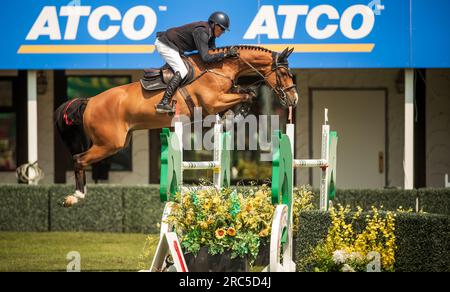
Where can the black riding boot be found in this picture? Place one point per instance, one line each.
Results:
(164, 105)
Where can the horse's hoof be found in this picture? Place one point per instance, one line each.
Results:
(69, 201)
(79, 194)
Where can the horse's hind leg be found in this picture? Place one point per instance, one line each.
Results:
(81, 161)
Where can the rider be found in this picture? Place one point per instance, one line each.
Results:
(199, 36)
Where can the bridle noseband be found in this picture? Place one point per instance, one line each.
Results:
(278, 89)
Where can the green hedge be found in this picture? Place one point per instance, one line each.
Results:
(106, 208)
(24, 208)
(435, 201)
(138, 208)
(142, 209)
(390, 199)
(423, 240)
(102, 210)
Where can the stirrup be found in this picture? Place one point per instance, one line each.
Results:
(166, 110)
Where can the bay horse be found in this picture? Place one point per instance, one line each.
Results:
(109, 118)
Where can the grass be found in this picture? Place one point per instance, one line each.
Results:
(47, 251)
(99, 251)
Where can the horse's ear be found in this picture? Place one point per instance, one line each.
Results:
(289, 53)
(282, 56)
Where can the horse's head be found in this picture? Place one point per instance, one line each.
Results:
(281, 79)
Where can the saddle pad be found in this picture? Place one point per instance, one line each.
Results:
(154, 80)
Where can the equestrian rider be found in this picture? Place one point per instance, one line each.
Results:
(199, 36)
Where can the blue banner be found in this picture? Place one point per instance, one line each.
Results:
(108, 34)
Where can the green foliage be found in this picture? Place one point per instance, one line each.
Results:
(435, 201)
(422, 240)
(142, 209)
(348, 248)
(389, 199)
(100, 211)
(225, 221)
(107, 208)
(423, 243)
(24, 208)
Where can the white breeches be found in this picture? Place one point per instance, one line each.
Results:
(172, 57)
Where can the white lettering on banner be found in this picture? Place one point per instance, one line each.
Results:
(130, 18)
(367, 23)
(265, 22)
(313, 18)
(73, 14)
(46, 24)
(265, 15)
(94, 23)
(292, 12)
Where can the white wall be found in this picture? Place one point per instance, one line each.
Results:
(438, 126)
(346, 78)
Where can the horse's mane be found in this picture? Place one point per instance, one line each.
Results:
(239, 47)
(244, 47)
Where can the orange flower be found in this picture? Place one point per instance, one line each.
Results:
(264, 232)
(231, 231)
(220, 233)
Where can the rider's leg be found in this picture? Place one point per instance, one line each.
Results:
(164, 105)
(173, 58)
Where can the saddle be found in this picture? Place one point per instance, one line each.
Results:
(158, 78)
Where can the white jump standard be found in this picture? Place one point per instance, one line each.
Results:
(171, 183)
(283, 165)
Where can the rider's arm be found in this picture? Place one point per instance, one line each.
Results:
(212, 43)
(201, 41)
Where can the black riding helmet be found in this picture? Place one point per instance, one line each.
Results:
(221, 19)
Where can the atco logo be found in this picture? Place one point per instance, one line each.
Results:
(103, 23)
(324, 22)
(265, 22)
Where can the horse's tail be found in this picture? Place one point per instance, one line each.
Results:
(68, 120)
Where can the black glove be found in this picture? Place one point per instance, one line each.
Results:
(231, 52)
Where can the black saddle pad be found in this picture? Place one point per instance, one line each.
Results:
(154, 78)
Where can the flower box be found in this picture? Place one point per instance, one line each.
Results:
(205, 262)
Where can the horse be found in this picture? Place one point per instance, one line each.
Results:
(108, 119)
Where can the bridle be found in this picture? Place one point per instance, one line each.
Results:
(279, 90)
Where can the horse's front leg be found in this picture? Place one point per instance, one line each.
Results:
(228, 100)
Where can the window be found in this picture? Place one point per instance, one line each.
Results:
(6, 94)
(8, 139)
(8, 142)
(88, 86)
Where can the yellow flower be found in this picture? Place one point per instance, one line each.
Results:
(203, 225)
(231, 231)
(220, 233)
(216, 200)
(186, 201)
(207, 204)
(260, 194)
